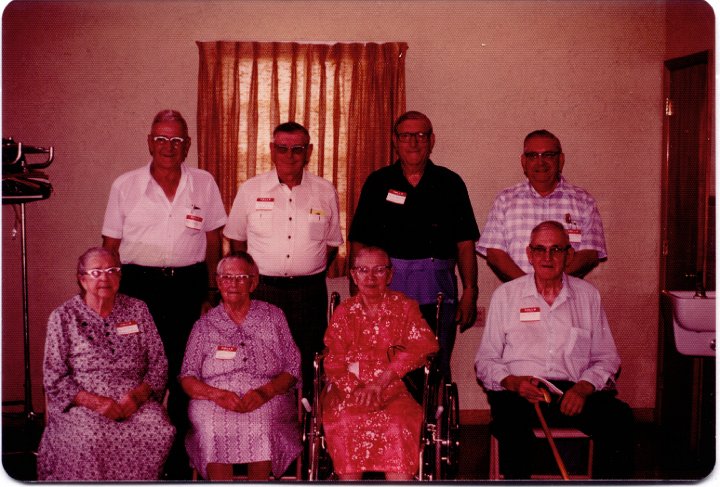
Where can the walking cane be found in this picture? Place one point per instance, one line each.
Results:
(548, 435)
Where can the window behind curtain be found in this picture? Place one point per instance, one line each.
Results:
(346, 95)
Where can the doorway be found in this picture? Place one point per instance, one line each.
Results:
(686, 385)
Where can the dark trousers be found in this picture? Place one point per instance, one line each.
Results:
(174, 298)
(304, 301)
(604, 417)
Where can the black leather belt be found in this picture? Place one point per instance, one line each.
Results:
(168, 272)
(292, 281)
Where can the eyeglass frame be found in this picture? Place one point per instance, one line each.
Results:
(295, 150)
(377, 271)
(419, 137)
(232, 278)
(173, 141)
(109, 271)
(554, 251)
(547, 156)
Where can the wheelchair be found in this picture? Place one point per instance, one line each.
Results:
(439, 436)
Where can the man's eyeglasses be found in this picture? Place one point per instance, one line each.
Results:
(420, 137)
(174, 141)
(295, 150)
(377, 271)
(96, 273)
(549, 156)
(539, 251)
(228, 278)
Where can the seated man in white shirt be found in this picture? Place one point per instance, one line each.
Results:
(551, 325)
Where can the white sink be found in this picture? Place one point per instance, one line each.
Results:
(693, 322)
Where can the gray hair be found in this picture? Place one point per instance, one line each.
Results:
(550, 225)
(543, 134)
(242, 257)
(370, 249)
(170, 116)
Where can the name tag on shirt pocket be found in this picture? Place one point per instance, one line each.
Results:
(575, 235)
(225, 352)
(127, 328)
(529, 314)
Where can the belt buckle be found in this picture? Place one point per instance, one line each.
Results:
(168, 271)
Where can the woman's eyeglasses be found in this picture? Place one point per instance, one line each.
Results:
(96, 273)
(377, 271)
(228, 278)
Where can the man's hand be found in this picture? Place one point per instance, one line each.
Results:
(466, 310)
(525, 385)
(573, 400)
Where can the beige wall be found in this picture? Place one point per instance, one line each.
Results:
(86, 77)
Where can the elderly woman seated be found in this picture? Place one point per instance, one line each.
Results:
(371, 422)
(104, 374)
(240, 368)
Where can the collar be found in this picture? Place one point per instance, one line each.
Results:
(530, 290)
(557, 192)
(146, 178)
(271, 180)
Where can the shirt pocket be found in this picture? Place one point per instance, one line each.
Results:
(260, 223)
(578, 344)
(317, 227)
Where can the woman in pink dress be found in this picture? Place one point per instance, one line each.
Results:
(371, 421)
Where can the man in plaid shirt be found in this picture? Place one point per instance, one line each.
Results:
(546, 195)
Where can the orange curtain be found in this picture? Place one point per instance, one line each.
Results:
(346, 95)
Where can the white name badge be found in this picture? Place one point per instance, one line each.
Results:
(264, 204)
(530, 314)
(127, 328)
(225, 352)
(397, 197)
(575, 235)
(193, 221)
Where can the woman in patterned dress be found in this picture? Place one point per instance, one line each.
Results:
(240, 370)
(371, 421)
(105, 373)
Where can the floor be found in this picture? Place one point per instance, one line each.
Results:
(653, 462)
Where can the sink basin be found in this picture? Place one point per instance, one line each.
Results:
(693, 321)
(691, 313)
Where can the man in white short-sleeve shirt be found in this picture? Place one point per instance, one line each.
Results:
(289, 221)
(165, 220)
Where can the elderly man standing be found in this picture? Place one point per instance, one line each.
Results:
(553, 326)
(421, 215)
(288, 220)
(165, 219)
(546, 195)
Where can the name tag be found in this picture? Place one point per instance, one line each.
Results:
(575, 235)
(193, 221)
(397, 197)
(530, 314)
(264, 204)
(225, 352)
(127, 328)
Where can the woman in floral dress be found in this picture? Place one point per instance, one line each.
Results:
(371, 421)
(105, 373)
(240, 370)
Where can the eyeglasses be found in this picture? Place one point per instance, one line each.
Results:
(295, 150)
(96, 273)
(174, 141)
(555, 251)
(228, 278)
(377, 271)
(420, 137)
(546, 156)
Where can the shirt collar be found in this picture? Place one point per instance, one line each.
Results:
(557, 192)
(530, 290)
(147, 178)
(272, 180)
